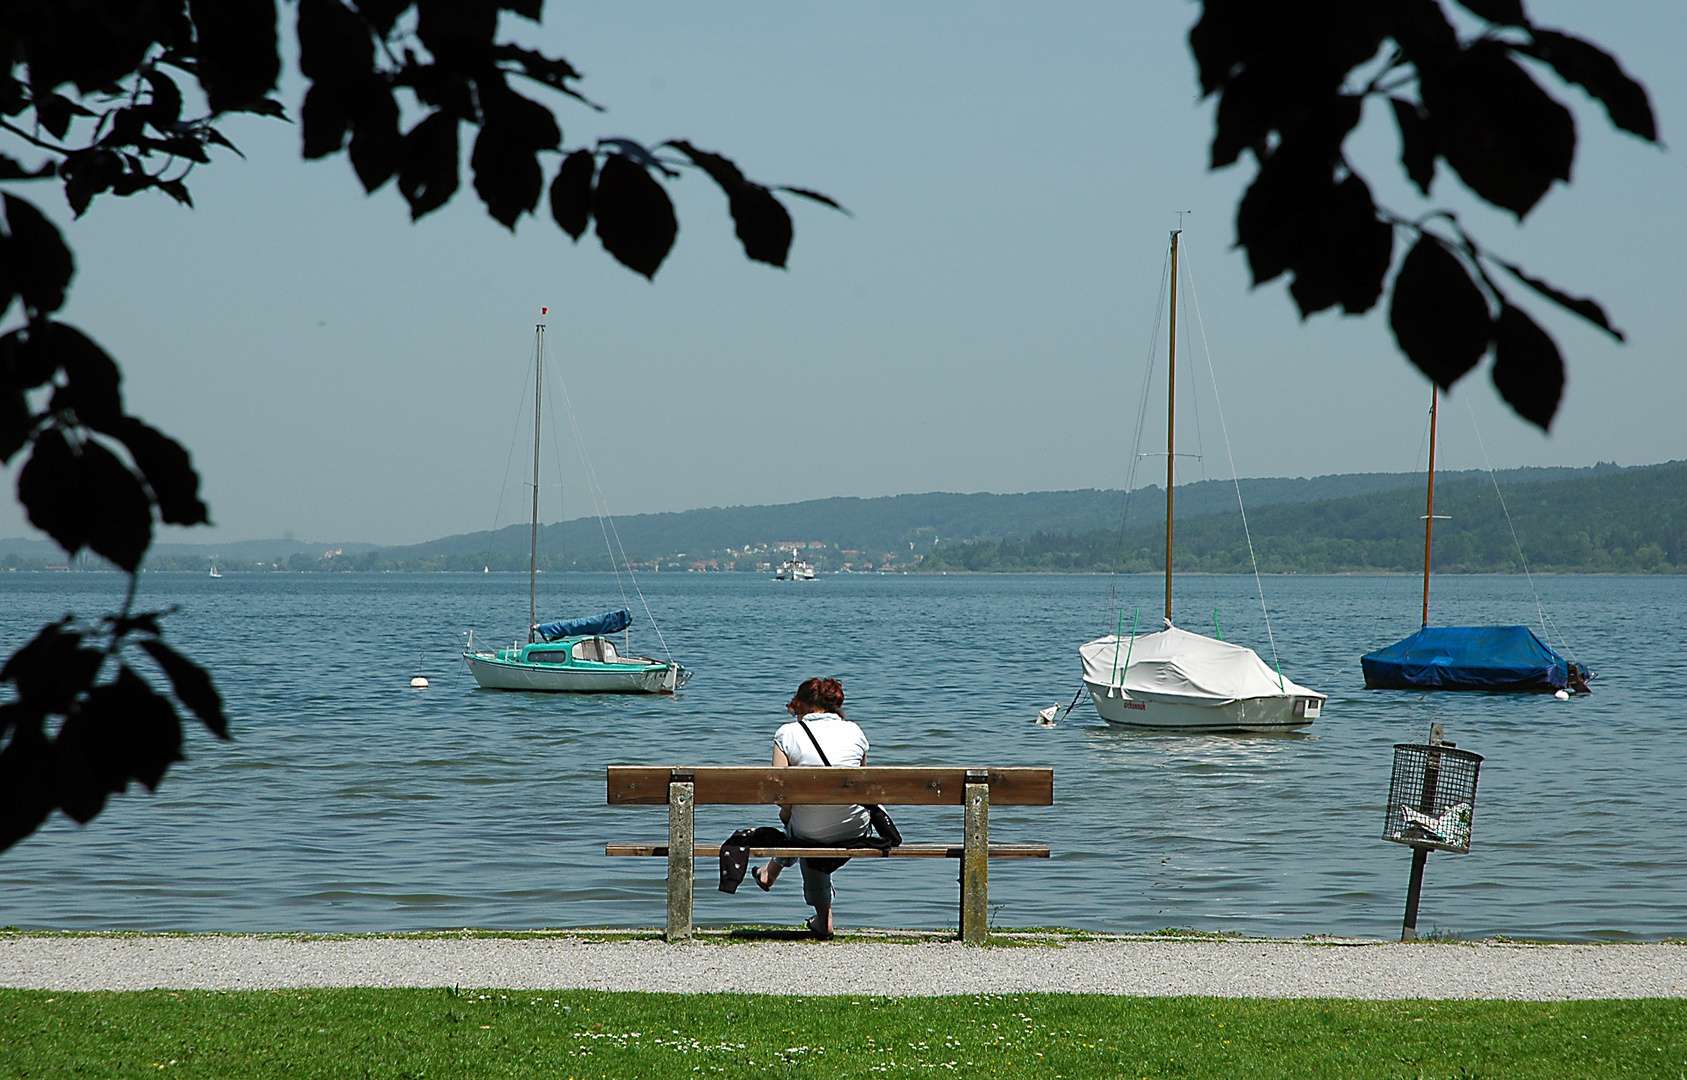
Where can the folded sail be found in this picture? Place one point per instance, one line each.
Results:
(1468, 658)
(610, 622)
(1176, 665)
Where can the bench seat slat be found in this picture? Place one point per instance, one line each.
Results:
(751, 785)
(906, 851)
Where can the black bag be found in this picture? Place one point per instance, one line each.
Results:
(879, 816)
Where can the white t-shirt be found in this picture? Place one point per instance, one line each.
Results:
(846, 745)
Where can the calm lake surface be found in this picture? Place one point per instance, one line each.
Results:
(350, 802)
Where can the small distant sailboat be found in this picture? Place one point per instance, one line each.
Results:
(1493, 658)
(214, 571)
(1179, 680)
(574, 656)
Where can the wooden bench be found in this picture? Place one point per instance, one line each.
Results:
(681, 790)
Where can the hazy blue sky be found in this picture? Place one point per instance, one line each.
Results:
(980, 324)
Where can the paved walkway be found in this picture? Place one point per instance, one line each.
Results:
(1229, 968)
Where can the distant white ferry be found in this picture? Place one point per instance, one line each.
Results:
(794, 569)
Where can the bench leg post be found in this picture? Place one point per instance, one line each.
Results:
(681, 804)
(975, 862)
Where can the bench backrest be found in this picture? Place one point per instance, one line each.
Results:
(746, 785)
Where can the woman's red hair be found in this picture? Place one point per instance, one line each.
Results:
(818, 695)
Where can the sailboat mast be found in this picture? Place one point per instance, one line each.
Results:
(1171, 425)
(533, 551)
(1429, 510)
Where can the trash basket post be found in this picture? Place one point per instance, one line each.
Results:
(1420, 855)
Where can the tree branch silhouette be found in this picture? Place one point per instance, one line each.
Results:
(1284, 73)
(94, 92)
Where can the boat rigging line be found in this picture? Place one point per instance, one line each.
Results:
(509, 462)
(606, 521)
(1195, 302)
(1540, 609)
(1141, 421)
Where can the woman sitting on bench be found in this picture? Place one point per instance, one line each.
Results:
(818, 736)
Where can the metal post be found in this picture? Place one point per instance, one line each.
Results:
(1420, 855)
(1171, 424)
(681, 805)
(1409, 931)
(975, 860)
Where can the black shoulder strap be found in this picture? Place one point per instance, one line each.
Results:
(824, 760)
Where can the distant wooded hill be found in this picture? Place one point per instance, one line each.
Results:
(1632, 520)
(1604, 518)
(905, 526)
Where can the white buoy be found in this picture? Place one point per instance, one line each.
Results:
(1562, 695)
(1045, 717)
(419, 683)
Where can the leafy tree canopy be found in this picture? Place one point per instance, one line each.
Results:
(1291, 77)
(116, 97)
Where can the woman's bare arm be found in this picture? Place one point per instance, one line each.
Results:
(780, 761)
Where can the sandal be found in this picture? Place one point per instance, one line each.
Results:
(761, 883)
(819, 934)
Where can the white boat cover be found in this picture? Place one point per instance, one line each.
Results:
(1174, 664)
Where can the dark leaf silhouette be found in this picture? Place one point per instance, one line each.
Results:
(521, 120)
(91, 386)
(168, 470)
(635, 220)
(239, 58)
(42, 265)
(334, 45)
(817, 196)
(83, 496)
(26, 777)
(165, 108)
(16, 422)
(382, 14)
(1417, 143)
(377, 148)
(1503, 12)
(762, 223)
(87, 173)
(55, 667)
(1597, 72)
(192, 685)
(112, 76)
(1587, 309)
(1347, 254)
(1439, 317)
(571, 192)
(1505, 136)
(1528, 372)
(506, 175)
(324, 119)
(428, 177)
(122, 731)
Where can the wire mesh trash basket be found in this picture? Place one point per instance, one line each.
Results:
(1432, 797)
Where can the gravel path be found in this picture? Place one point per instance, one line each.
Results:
(1229, 968)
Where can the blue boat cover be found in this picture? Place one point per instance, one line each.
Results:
(1468, 658)
(610, 622)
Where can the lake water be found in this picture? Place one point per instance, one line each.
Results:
(350, 802)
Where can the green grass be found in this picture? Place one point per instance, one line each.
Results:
(450, 1034)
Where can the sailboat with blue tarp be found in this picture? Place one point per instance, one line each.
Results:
(571, 656)
(1493, 658)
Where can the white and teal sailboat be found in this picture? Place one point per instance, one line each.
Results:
(569, 656)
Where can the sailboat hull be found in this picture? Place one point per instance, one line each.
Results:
(1275, 713)
(493, 673)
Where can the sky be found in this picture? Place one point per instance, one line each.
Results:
(981, 322)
